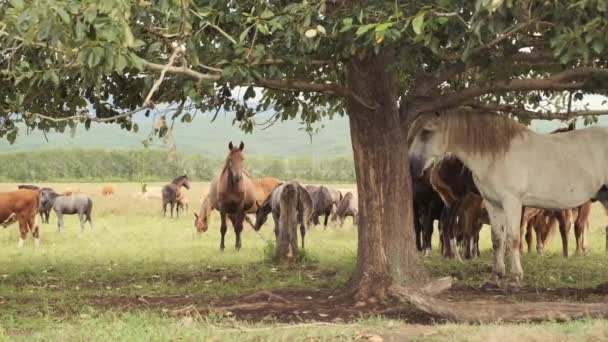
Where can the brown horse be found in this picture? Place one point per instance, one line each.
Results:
(107, 190)
(235, 193)
(263, 188)
(21, 206)
(172, 191)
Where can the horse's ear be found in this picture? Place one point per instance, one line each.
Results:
(230, 146)
(241, 146)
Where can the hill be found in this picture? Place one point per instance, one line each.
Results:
(284, 139)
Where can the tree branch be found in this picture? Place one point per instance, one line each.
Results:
(177, 51)
(86, 117)
(523, 113)
(572, 79)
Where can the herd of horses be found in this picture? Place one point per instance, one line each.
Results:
(520, 178)
(468, 169)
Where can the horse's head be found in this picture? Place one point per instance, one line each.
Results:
(200, 222)
(185, 182)
(426, 145)
(262, 213)
(235, 162)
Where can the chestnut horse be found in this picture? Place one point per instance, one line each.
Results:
(235, 193)
(263, 188)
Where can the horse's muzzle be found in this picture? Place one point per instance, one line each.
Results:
(416, 167)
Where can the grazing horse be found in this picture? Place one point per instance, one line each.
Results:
(348, 206)
(21, 206)
(80, 204)
(235, 193)
(263, 188)
(302, 203)
(172, 191)
(107, 190)
(505, 157)
(323, 202)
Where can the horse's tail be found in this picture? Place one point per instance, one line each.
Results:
(89, 209)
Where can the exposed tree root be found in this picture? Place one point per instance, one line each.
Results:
(257, 306)
(269, 297)
(487, 312)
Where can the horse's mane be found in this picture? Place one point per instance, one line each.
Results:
(472, 130)
(179, 179)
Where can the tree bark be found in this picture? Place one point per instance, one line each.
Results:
(386, 248)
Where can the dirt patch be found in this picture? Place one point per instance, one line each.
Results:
(527, 294)
(326, 305)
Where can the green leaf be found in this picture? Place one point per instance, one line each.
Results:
(90, 13)
(363, 29)
(94, 57)
(381, 28)
(120, 62)
(243, 35)
(18, 4)
(267, 14)
(598, 46)
(187, 118)
(63, 14)
(418, 23)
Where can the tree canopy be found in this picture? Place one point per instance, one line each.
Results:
(122, 56)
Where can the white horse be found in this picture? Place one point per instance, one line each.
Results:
(513, 167)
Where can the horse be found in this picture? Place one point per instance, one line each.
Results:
(504, 157)
(47, 195)
(171, 192)
(45, 208)
(273, 204)
(348, 206)
(428, 207)
(27, 186)
(71, 191)
(263, 188)
(21, 206)
(80, 204)
(325, 201)
(183, 202)
(453, 182)
(235, 193)
(107, 190)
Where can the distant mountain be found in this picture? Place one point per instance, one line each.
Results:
(203, 136)
(211, 139)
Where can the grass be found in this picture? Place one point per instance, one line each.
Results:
(132, 251)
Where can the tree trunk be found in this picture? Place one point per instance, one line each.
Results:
(386, 249)
(287, 241)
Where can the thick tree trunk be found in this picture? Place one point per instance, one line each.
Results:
(386, 250)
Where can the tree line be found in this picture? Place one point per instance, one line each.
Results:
(71, 165)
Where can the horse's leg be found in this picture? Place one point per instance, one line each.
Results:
(81, 217)
(237, 223)
(326, 218)
(172, 207)
(417, 228)
(427, 229)
(564, 228)
(302, 233)
(164, 209)
(23, 228)
(59, 221)
(497, 222)
(35, 228)
(223, 228)
(512, 217)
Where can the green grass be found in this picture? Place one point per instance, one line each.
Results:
(45, 293)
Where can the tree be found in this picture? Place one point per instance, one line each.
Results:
(382, 63)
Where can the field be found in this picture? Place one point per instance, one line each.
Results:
(138, 276)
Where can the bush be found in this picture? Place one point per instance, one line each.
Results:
(71, 165)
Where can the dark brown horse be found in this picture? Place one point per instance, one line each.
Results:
(171, 192)
(236, 193)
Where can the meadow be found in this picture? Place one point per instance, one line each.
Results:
(139, 276)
